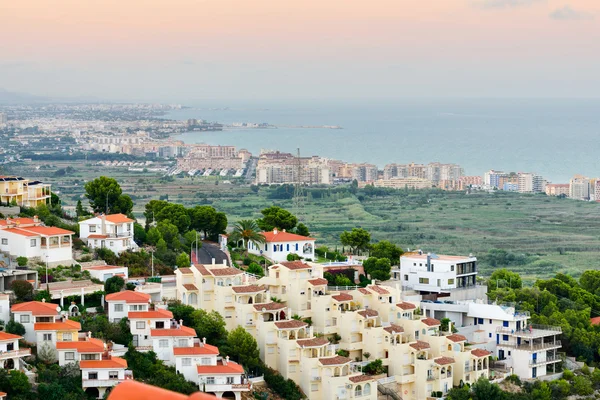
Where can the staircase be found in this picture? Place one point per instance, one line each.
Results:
(386, 391)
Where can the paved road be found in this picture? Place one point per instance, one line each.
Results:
(208, 251)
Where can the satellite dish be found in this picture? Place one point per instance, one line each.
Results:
(58, 308)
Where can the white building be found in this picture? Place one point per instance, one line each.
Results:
(99, 375)
(27, 237)
(433, 273)
(173, 335)
(142, 322)
(121, 303)
(104, 272)
(10, 354)
(279, 244)
(80, 350)
(32, 312)
(114, 232)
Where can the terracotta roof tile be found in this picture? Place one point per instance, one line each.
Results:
(248, 289)
(133, 390)
(68, 325)
(269, 306)
(294, 265)
(378, 289)
(8, 336)
(97, 236)
(220, 368)
(185, 271)
(360, 378)
(343, 297)
(90, 345)
(36, 308)
(201, 268)
(420, 345)
(337, 360)
(318, 282)
(196, 350)
(118, 218)
(291, 324)
(315, 342)
(227, 271)
(444, 360)
(151, 314)
(406, 306)
(480, 352)
(129, 296)
(364, 291)
(456, 338)
(114, 362)
(431, 321)
(368, 313)
(394, 328)
(280, 236)
(173, 332)
(19, 221)
(190, 286)
(21, 232)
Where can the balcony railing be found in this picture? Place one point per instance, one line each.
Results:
(101, 382)
(549, 359)
(14, 353)
(535, 346)
(225, 387)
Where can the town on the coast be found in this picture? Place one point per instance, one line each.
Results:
(107, 290)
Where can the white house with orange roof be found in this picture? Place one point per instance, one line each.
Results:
(104, 272)
(141, 324)
(10, 354)
(99, 375)
(28, 237)
(121, 303)
(50, 333)
(222, 377)
(166, 339)
(78, 350)
(114, 232)
(33, 312)
(279, 244)
(187, 359)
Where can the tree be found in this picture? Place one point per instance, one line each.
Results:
(202, 218)
(302, 230)
(503, 277)
(182, 312)
(22, 261)
(255, 269)
(18, 384)
(342, 280)
(183, 260)
(43, 295)
(484, 390)
(14, 327)
(247, 230)
(219, 227)
(104, 190)
(114, 284)
(277, 217)
(153, 236)
(23, 290)
(358, 239)
(79, 210)
(47, 354)
(152, 208)
(139, 234)
(242, 347)
(210, 325)
(168, 231)
(176, 214)
(459, 393)
(386, 249)
(374, 367)
(378, 268)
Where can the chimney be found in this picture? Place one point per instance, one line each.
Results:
(103, 218)
(275, 231)
(284, 230)
(224, 262)
(226, 360)
(450, 326)
(203, 342)
(35, 219)
(180, 323)
(213, 261)
(89, 334)
(372, 281)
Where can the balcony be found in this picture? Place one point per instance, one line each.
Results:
(226, 387)
(4, 355)
(315, 379)
(549, 359)
(531, 347)
(86, 383)
(536, 331)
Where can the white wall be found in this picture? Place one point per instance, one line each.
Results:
(282, 255)
(116, 316)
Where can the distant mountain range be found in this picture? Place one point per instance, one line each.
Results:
(8, 97)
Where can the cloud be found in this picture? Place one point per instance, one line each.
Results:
(567, 13)
(495, 4)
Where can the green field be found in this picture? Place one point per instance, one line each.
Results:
(566, 232)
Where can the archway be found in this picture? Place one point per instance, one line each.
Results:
(9, 364)
(92, 392)
(229, 395)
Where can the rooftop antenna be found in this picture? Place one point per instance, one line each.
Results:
(298, 202)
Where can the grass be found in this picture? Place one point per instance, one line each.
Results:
(566, 232)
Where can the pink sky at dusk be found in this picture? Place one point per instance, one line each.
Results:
(186, 49)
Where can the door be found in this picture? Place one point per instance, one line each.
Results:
(500, 354)
(535, 359)
(497, 338)
(534, 372)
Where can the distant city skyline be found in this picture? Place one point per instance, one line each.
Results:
(186, 50)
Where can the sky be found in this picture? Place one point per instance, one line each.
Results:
(179, 50)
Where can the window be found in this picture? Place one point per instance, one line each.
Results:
(186, 362)
(210, 380)
(490, 321)
(230, 380)
(271, 350)
(163, 343)
(424, 281)
(111, 243)
(88, 357)
(450, 281)
(405, 277)
(47, 337)
(480, 321)
(292, 368)
(490, 334)
(25, 319)
(182, 342)
(288, 247)
(128, 227)
(140, 325)
(119, 307)
(33, 242)
(113, 374)
(452, 268)
(314, 387)
(4, 241)
(160, 324)
(205, 361)
(92, 228)
(67, 337)
(505, 324)
(70, 356)
(296, 246)
(92, 375)
(504, 337)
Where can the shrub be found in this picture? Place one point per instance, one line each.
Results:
(22, 261)
(247, 261)
(293, 257)
(14, 327)
(114, 284)
(374, 367)
(255, 269)
(286, 388)
(23, 290)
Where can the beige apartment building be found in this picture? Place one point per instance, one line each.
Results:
(557, 189)
(579, 187)
(24, 192)
(404, 183)
(347, 330)
(280, 168)
(200, 157)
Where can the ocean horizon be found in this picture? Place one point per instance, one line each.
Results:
(556, 138)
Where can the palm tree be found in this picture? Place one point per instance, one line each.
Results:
(248, 231)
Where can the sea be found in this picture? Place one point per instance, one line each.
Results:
(556, 138)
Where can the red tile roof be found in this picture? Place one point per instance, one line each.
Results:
(378, 289)
(368, 313)
(129, 296)
(19, 221)
(420, 345)
(364, 291)
(97, 236)
(8, 336)
(118, 218)
(21, 232)
(221, 368)
(444, 360)
(431, 321)
(185, 271)
(196, 350)
(68, 325)
(480, 353)
(46, 231)
(114, 362)
(133, 390)
(291, 324)
(456, 338)
(294, 265)
(406, 306)
(280, 236)
(361, 378)
(173, 332)
(595, 321)
(36, 308)
(337, 360)
(318, 281)
(269, 306)
(394, 328)
(201, 268)
(315, 342)
(225, 271)
(90, 345)
(151, 314)
(190, 287)
(248, 289)
(342, 297)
